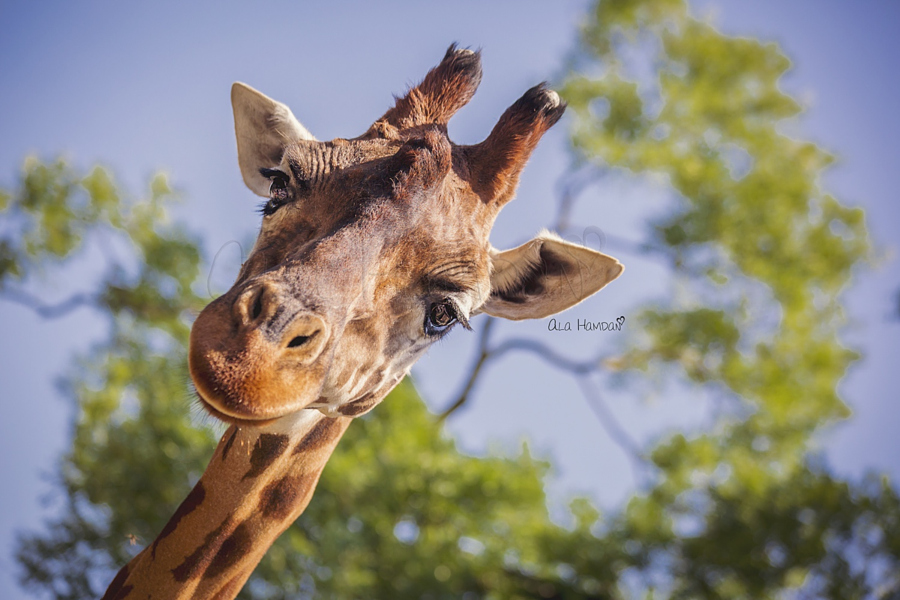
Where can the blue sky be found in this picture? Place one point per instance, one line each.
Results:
(146, 88)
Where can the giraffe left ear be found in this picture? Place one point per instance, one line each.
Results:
(263, 128)
(545, 276)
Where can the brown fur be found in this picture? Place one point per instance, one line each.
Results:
(445, 89)
(497, 162)
(117, 589)
(194, 563)
(365, 226)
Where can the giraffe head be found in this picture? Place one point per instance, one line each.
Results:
(373, 248)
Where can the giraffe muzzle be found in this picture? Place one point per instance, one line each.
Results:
(257, 356)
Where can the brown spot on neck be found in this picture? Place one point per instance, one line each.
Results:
(278, 499)
(358, 407)
(193, 500)
(324, 432)
(228, 444)
(191, 566)
(268, 447)
(233, 548)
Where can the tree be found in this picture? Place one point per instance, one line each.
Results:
(746, 509)
(135, 453)
(760, 254)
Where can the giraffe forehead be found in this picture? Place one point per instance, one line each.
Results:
(313, 160)
(347, 205)
(374, 167)
(387, 255)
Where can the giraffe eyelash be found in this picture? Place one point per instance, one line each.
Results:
(279, 193)
(273, 173)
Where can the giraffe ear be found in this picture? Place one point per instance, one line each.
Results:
(545, 276)
(263, 128)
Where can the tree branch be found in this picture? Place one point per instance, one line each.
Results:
(581, 370)
(549, 355)
(572, 185)
(615, 431)
(48, 311)
(571, 188)
(483, 356)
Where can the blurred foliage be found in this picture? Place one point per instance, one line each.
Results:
(760, 254)
(745, 509)
(133, 451)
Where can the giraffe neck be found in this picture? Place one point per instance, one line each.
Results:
(257, 483)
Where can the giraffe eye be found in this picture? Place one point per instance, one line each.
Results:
(278, 190)
(441, 316)
(278, 187)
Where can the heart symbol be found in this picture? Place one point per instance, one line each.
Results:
(620, 320)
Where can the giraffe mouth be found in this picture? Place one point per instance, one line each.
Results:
(227, 418)
(238, 405)
(242, 377)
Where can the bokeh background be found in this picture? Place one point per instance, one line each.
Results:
(146, 88)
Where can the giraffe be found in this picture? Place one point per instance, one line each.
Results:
(370, 250)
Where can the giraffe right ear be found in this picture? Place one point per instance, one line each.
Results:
(263, 128)
(545, 276)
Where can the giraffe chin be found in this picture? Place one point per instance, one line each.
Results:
(243, 378)
(249, 399)
(240, 422)
(215, 410)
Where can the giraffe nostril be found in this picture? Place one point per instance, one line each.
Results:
(257, 306)
(303, 340)
(299, 341)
